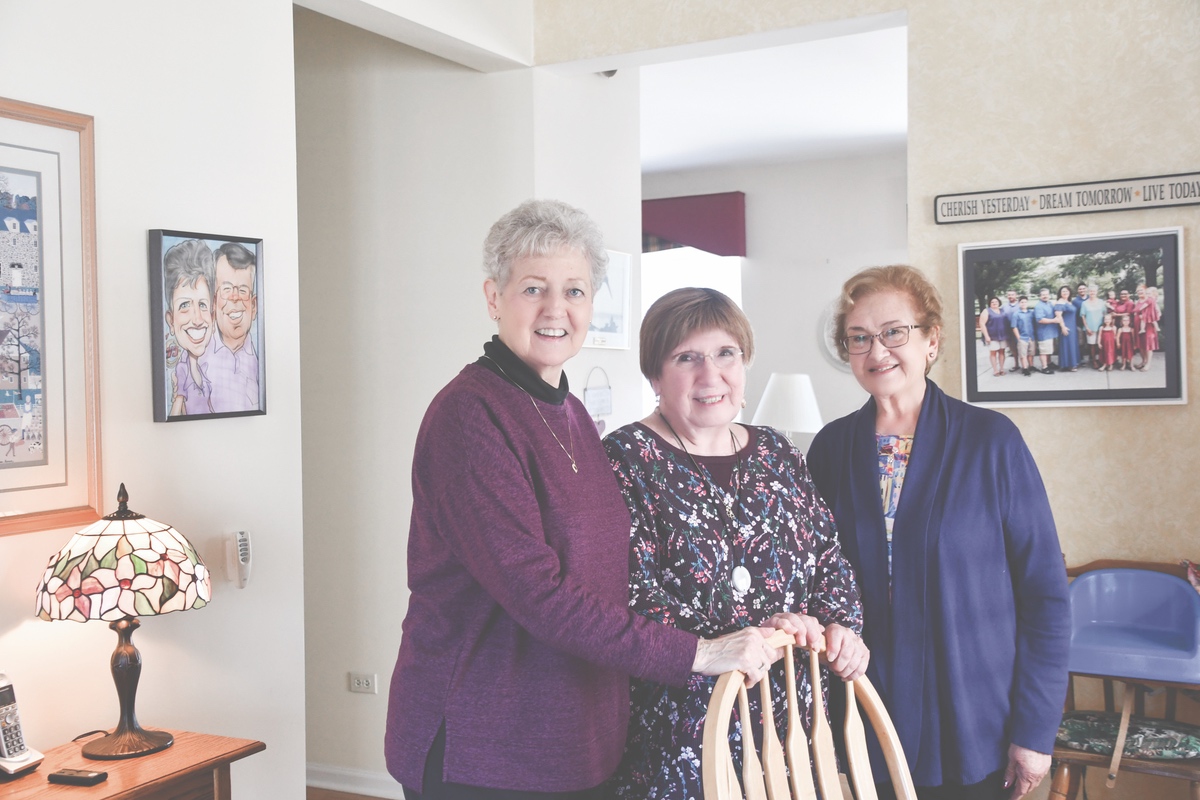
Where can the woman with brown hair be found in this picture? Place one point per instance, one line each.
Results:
(728, 532)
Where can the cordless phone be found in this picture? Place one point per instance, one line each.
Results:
(15, 756)
(12, 741)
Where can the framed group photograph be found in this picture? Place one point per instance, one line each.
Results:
(206, 326)
(610, 313)
(1074, 320)
(49, 373)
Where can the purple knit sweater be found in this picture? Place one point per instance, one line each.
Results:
(518, 634)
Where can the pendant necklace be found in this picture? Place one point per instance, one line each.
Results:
(570, 430)
(740, 577)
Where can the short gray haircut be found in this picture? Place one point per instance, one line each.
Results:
(187, 262)
(543, 228)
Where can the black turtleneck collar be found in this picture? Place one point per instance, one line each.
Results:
(505, 363)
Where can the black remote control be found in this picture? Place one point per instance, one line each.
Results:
(77, 777)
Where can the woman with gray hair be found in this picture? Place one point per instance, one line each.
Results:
(513, 673)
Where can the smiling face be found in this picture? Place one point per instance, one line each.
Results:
(1064, 293)
(1044, 295)
(898, 372)
(236, 303)
(190, 316)
(699, 395)
(994, 304)
(544, 310)
(1012, 297)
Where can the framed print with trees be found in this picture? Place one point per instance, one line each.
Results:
(49, 373)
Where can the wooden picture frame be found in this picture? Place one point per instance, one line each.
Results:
(49, 359)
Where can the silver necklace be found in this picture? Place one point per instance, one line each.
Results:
(570, 430)
(740, 577)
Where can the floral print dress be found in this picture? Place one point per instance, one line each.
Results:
(683, 551)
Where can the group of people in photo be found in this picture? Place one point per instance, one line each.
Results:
(574, 599)
(1072, 328)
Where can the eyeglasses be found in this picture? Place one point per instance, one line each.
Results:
(891, 338)
(227, 290)
(724, 358)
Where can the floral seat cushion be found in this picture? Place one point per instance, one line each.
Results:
(1096, 732)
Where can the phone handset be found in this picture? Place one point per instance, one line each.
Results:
(238, 557)
(15, 755)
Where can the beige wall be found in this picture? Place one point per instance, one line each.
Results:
(1004, 95)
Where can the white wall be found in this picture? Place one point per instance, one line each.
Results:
(586, 150)
(194, 126)
(809, 226)
(486, 35)
(405, 160)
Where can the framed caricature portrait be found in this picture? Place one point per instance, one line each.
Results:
(1074, 320)
(206, 326)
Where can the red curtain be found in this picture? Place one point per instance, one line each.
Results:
(715, 223)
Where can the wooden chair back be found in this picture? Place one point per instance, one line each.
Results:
(772, 770)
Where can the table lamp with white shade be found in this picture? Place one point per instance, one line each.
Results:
(789, 405)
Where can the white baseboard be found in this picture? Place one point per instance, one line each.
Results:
(354, 781)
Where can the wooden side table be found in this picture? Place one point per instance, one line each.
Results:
(195, 767)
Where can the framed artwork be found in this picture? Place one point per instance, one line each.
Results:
(206, 326)
(49, 374)
(1074, 320)
(610, 314)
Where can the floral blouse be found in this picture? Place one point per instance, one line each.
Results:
(893, 464)
(683, 551)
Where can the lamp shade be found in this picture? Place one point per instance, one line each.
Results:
(789, 404)
(124, 565)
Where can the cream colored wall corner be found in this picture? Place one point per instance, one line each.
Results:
(404, 161)
(1006, 95)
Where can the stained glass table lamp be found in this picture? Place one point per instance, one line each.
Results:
(120, 568)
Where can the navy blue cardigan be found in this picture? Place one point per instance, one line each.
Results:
(972, 652)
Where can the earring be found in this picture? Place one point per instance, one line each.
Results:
(496, 317)
(932, 356)
(743, 403)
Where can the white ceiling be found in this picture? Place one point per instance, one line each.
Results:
(818, 99)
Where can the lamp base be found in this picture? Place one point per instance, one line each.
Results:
(127, 744)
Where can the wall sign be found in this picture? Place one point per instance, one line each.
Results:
(1158, 191)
